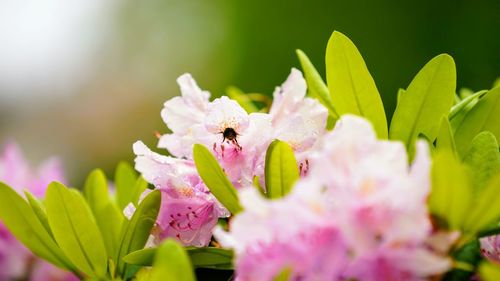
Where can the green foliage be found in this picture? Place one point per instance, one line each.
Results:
(281, 169)
(489, 271)
(351, 86)
(129, 186)
(484, 159)
(445, 140)
(206, 257)
(108, 216)
(428, 97)
(75, 230)
(171, 263)
(39, 210)
(135, 232)
(486, 209)
(482, 117)
(315, 85)
(23, 223)
(215, 178)
(450, 196)
(466, 260)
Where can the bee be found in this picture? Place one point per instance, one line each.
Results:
(230, 135)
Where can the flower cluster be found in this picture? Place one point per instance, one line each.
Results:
(237, 139)
(359, 214)
(15, 259)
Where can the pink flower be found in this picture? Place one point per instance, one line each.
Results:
(490, 248)
(15, 259)
(188, 211)
(238, 139)
(293, 233)
(362, 190)
(296, 119)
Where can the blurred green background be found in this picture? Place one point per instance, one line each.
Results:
(86, 80)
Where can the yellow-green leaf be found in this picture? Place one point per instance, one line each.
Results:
(281, 169)
(351, 86)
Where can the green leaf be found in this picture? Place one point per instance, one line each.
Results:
(75, 230)
(450, 197)
(108, 216)
(172, 263)
(445, 136)
(281, 169)
(17, 215)
(466, 104)
(484, 159)
(125, 181)
(135, 232)
(207, 257)
(486, 209)
(39, 210)
(215, 179)
(144, 257)
(351, 86)
(466, 259)
(428, 97)
(242, 99)
(315, 85)
(489, 271)
(484, 116)
(400, 93)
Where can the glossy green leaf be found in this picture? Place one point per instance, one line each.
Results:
(281, 169)
(108, 216)
(75, 229)
(444, 140)
(242, 99)
(351, 86)
(39, 210)
(172, 263)
(315, 85)
(428, 97)
(135, 232)
(144, 257)
(484, 116)
(450, 197)
(215, 178)
(125, 180)
(486, 209)
(466, 104)
(207, 257)
(489, 271)
(484, 159)
(17, 215)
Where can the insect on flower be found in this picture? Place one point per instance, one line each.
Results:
(230, 134)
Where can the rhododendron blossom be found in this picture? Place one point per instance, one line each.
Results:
(362, 190)
(296, 119)
(15, 259)
(188, 211)
(490, 248)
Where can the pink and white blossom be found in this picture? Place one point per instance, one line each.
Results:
(296, 119)
(188, 211)
(490, 248)
(366, 193)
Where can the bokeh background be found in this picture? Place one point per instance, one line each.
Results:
(84, 79)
